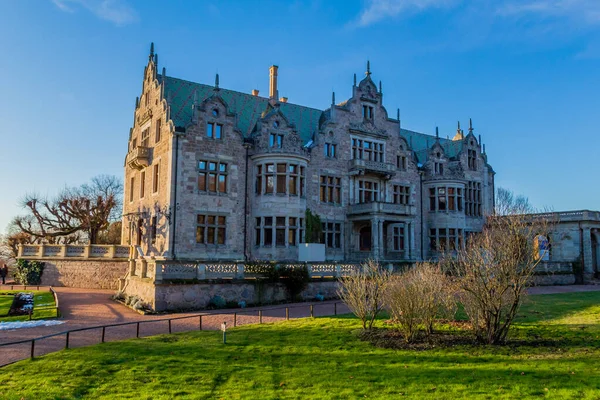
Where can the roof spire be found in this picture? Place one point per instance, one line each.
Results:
(470, 125)
(332, 98)
(137, 102)
(484, 149)
(458, 127)
(217, 81)
(368, 73)
(398, 114)
(459, 133)
(354, 80)
(437, 132)
(380, 91)
(151, 51)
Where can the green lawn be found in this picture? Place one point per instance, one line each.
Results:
(43, 306)
(323, 359)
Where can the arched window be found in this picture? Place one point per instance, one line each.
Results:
(542, 248)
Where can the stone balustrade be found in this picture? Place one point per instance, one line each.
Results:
(84, 251)
(380, 207)
(381, 168)
(164, 270)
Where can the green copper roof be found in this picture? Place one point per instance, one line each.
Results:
(248, 110)
(246, 107)
(421, 143)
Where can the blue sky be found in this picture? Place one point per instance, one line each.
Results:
(526, 71)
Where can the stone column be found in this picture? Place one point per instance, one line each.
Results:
(588, 268)
(376, 238)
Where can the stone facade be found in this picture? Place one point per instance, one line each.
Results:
(90, 274)
(217, 175)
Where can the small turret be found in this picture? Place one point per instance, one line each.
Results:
(217, 82)
(151, 51)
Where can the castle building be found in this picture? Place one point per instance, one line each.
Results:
(214, 174)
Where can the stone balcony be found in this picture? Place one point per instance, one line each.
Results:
(139, 157)
(379, 207)
(361, 167)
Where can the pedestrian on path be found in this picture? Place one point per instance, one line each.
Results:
(4, 273)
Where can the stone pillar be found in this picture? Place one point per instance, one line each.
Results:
(41, 250)
(201, 272)
(87, 250)
(20, 253)
(376, 238)
(588, 268)
(112, 250)
(63, 250)
(131, 267)
(158, 276)
(144, 271)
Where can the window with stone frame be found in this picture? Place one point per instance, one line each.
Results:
(279, 231)
(330, 189)
(472, 159)
(276, 140)
(398, 238)
(330, 150)
(446, 199)
(212, 176)
(153, 221)
(368, 112)
(368, 191)
(331, 234)
(214, 130)
(401, 162)
(368, 150)
(401, 194)
(155, 178)
(438, 168)
(142, 184)
(145, 137)
(158, 127)
(131, 188)
(280, 178)
(211, 229)
(443, 239)
(473, 199)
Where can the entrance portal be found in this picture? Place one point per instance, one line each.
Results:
(365, 238)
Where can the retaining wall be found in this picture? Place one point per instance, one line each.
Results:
(88, 274)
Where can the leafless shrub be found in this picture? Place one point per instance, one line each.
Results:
(363, 292)
(416, 298)
(496, 266)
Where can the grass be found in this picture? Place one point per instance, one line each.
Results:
(44, 306)
(322, 358)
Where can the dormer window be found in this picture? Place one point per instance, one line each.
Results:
(472, 159)
(276, 140)
(330, 150)
(438, 168)
(214, 130)
(368, 112)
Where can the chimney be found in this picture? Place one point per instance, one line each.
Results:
(254, 92)
(283, 99)
(273, 93)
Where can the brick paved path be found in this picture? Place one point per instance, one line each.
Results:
(83, 308)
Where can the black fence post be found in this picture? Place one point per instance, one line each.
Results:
(335, 308)
(260, 316)
(169, 326)
(103, 332)
(200, 321)
(32, 348)
(67, 341)
(312, 312)
(234, 319)
(30, 314)
(287, 313)
(137, 331)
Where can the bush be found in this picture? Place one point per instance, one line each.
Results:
(417, 297)
(295, 279)
(217, 302)
(29, 272)
(363, 292)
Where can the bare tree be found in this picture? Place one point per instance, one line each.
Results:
(496, 266)
(363, 292)
(88, 209)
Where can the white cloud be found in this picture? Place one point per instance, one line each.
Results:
(115, 11)
(378, 10)
(586, 11)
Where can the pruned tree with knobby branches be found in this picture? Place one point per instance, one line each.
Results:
(88, 209)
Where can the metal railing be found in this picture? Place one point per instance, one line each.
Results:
(30, 348)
